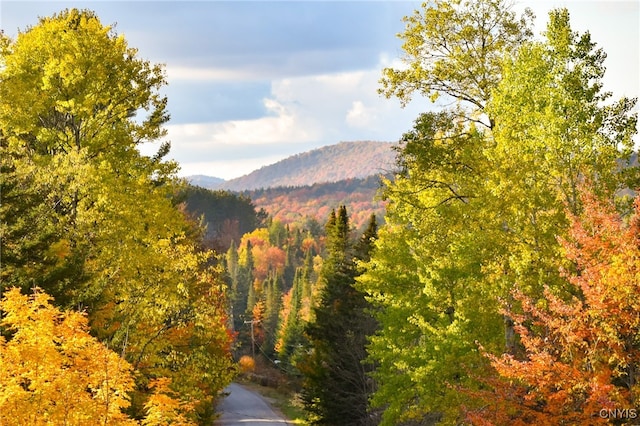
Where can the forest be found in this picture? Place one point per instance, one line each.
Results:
(298, 205)
(498, 285)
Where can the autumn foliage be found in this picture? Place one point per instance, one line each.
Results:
(247, 364)
(94, 223)
(53, 371)
(581, 361)
(293, 204)
(164, 406)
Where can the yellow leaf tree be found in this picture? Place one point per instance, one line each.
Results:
(53, 371)
(95, 223)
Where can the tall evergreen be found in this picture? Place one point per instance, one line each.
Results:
(307, 285)
(272, 300)
(336, 385)
(245, 277)
(292, 326)
(289, 273)
(244, 296)
(365, 243)
(238, 291)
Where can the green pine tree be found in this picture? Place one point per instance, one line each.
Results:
(292, 325)
(272, 298)
(239, 292)
(336, 384)
(246, 279)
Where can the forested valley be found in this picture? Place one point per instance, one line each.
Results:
(499, 285)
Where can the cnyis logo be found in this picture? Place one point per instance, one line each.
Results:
(618, 413)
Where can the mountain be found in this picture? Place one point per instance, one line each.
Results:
(203, 181)
(345, 160)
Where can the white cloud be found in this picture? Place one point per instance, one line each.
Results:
(387, 61)
(361, 116)
(346, 105)
(282, 125)
(300, 112)
(183, 73)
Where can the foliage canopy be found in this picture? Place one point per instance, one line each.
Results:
(93, 222)
(485, 188)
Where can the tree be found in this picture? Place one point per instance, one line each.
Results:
(336, 387)
(26, 238)
(246, 275)
(70, 76)
(227, 216)
(164, 406)
(54, 371)
(455, 49)
(563, 133)
(581, 354)
(477, 204)
(365, 244)
(272, 292)
(550, 107)
(69, 90)
(309, 279)
(291, 322)
(75, 104)
(239, 293)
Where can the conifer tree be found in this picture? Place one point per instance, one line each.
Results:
(307, 285)
(272, 296)
(289, 272)
(245, 277)
(291, 322)
(336, 385)
(239, 292)
(365, 243)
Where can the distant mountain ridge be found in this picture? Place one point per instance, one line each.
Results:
(332, 163)
(203, 181)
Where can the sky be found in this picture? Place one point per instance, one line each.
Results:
(253, 82)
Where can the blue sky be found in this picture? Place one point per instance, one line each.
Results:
(251, 83)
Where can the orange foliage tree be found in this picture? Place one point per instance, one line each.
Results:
(581, 360)
(164, 407)
(268, 260)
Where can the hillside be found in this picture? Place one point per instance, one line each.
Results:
(227, 216)
(297, 204)
(345, 160)
(203, 181)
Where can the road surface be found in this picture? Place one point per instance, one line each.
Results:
(244, 407)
